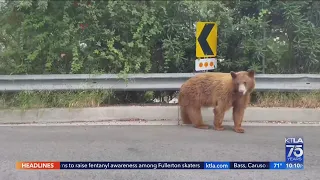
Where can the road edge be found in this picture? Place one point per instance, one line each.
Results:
(151, 115)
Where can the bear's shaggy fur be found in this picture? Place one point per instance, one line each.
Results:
(220, 91)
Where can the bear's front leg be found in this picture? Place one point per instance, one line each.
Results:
(238, 113)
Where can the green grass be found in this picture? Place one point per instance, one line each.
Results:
(297, 99)
(97, 98)
(31, 99)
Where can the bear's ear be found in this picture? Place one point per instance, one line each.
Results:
(251, 73)
(233, 74)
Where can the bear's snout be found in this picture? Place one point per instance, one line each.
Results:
(242, 89)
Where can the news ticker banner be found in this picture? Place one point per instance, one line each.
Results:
(157, 165)
(294, 152)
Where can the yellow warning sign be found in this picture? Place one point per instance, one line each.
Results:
(206, 39)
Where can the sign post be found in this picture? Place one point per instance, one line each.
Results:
(206, 46)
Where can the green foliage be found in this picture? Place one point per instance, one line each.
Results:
(156, 36)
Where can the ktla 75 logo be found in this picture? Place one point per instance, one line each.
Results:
(294, 149)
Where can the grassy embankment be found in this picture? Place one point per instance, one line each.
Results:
(26, 100)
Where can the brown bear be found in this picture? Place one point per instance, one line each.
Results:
(220, 91)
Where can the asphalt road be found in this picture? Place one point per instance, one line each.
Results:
(153, 143)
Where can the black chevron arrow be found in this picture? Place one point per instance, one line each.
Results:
(203, 39)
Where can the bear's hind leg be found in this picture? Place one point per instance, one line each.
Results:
(184, 116)
(196, 118)
(218, 118)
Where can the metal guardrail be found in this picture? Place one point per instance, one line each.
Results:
(138, 82)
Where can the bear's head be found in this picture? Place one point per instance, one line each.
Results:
(243, 81)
